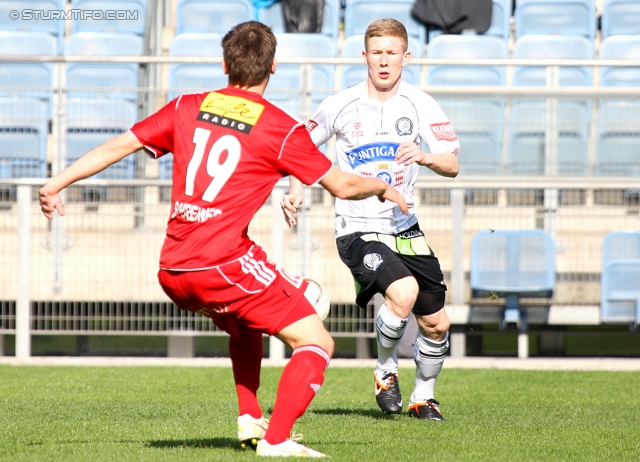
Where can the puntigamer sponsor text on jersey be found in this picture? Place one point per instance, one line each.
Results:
(371, 153)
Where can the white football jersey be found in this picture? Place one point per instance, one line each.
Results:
(368, 134)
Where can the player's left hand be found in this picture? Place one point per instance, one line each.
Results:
(290, 205)
(392, 194)
(50, 201)
(408, 153)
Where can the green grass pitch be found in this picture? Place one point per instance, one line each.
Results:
(166, 413)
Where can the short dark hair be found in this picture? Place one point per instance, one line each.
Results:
(386, 27)
(248, 50)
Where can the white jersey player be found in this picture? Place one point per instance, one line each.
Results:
(369, 133)
(379, 126)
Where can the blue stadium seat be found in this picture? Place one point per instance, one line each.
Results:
(273, 17)
(478, 125)
(620, 47)
(556, 17)
(617, 139)
(91, 122)
(358, 14)
(618, 245)
(23, 132)
(352, 74)
(467, 47)
(477, 122)
(27, 79)
(186, 78)
(500, 16)
(108, 78)
(552, 47)
(25, 23)
(512, 264)
(213, 16)
(528, 118)
(620, 291)
(527, 129)
(620, 17)
(519, 261)
(284, 89)
(128, 16)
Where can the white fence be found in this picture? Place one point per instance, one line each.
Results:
(94, 271)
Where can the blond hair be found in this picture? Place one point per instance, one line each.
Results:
(386, 27)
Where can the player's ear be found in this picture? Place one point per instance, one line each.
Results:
(225, 68)
(274, 64)
(406, 58)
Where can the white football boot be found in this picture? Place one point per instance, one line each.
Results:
(251, 430)
(287, 448)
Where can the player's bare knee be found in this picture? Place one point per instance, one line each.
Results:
(433, 326)
(401, 310)
(324, 340)
(401, 297)
(329, 345)
(444, 326)
(441, 329)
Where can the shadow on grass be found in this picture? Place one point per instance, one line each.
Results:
(220, 443)
(370, 413)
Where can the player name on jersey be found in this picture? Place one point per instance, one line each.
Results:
(232, 112)
(192, 212)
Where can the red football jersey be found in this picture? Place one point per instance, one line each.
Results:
(229, 149)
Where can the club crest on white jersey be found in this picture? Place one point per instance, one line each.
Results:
(404, 126)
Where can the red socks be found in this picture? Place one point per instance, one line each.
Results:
(300, 381)
(245, 351)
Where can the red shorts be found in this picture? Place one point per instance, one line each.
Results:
(250, 290)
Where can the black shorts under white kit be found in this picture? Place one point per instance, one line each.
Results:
(405, 254)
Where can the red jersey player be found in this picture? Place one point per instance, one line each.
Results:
(230, 146)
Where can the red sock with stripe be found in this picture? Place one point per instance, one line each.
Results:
(245, 351)
(300, 381)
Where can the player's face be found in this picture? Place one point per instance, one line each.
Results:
(385, 59)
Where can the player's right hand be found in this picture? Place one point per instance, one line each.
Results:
(290, 205)
(50, 201)
(391, 194)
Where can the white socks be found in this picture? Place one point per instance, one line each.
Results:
(389, 328)
(429, 356)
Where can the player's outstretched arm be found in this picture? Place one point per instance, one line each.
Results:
(91, 163)
(348, 186)
(292, 201)
(444, 164)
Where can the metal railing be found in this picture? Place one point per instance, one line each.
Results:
(98, 276)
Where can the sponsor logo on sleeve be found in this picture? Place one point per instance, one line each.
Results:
(228, 111)
(311, 125)
(443, 132)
